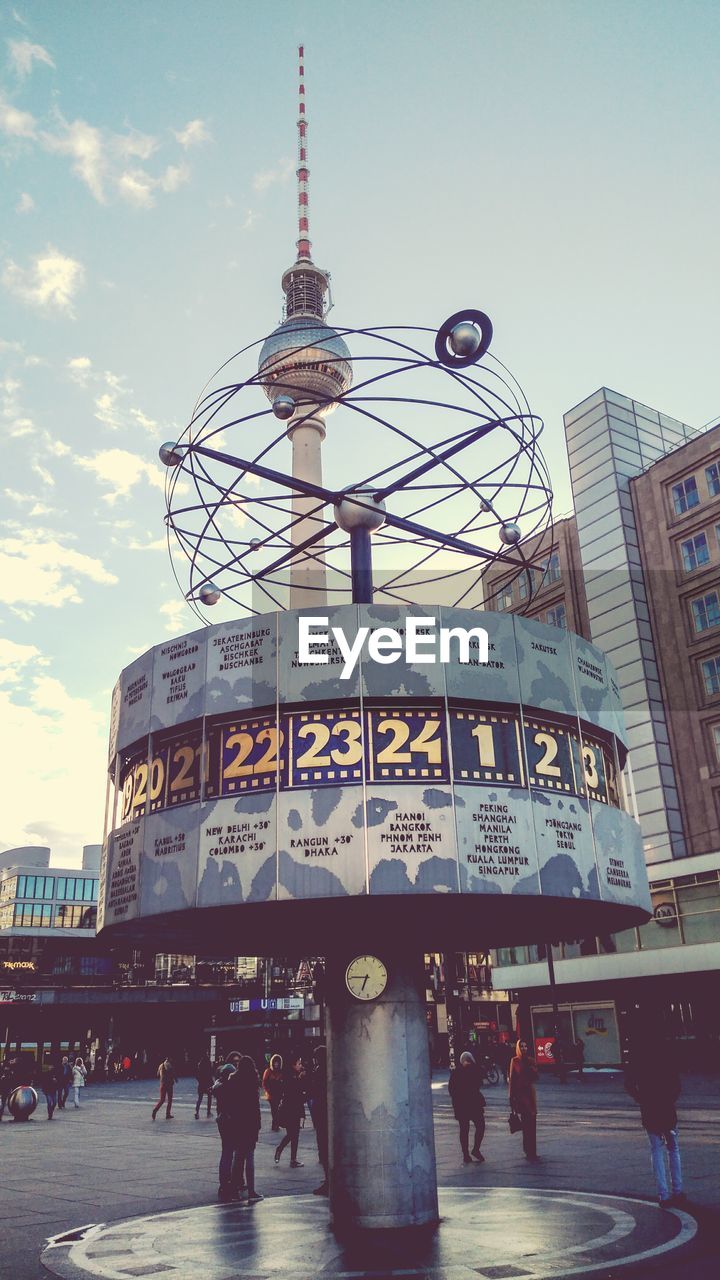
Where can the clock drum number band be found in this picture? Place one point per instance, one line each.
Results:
(344, 746)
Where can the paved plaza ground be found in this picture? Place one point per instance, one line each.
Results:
(108, 1162)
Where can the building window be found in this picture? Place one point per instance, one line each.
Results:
(716, 741)
(552, 569)
(503, 598)
(527, 581)
(712, 475)
(31, 915)
(35, 886)
(70, 917)
(77, 888)
(695, 552)
(706, 612)
(711, 675)
(685, 495)
(557, 617)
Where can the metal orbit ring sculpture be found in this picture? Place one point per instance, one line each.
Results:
(438, 457)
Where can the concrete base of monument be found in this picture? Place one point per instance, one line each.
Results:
(429, 921)
(484, 1235)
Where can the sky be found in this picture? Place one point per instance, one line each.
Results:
(552, 164)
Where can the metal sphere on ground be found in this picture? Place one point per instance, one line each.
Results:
(22, 1102)
(169, 454)
(465, 339)
(209, 593)
(284, 407)
(510, 534)
(365, 513)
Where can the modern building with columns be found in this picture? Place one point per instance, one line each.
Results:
(636, 569)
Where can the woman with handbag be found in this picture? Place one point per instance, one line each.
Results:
(523, 1098)
(468, 1105)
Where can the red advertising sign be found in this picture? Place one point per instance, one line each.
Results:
(544, 1050)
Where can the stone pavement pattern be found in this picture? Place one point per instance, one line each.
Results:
(553, 1234)
(108, 1162)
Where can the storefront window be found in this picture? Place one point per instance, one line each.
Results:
(699, 907)
(599, 1031)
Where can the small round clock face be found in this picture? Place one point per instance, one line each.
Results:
(366, 977)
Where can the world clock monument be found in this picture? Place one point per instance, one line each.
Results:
(430, 796)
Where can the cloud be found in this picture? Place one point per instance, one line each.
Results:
(177, 613)
(25, 204)
(13, 657)
(83, 143)
(37, 570)
(79, 369)
(268, 177)
(55, 795)
(249, 220)
(120, 471)
(17, 124)
(194, 134)
(148, 424)
(22, 427)
(23, 53)
(136, 186)
(50, 282)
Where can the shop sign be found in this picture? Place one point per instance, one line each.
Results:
(666, 915)
(29, 965)
(273, 1004)
(17, 997)
(544, 1050)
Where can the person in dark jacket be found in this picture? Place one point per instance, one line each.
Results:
(468, 1105)
(237, 1094)
(50, 1081)
(292, 1112)
(204, 1077)
(318, 1104)
(523, 1098)
(272, 1083)
(653, 1081)
(65, 1081)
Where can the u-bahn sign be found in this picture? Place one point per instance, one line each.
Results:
(243, 775)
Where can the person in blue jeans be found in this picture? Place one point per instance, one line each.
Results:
(653, 1081)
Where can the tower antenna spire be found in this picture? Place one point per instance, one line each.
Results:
(304, 247)
(304, 284)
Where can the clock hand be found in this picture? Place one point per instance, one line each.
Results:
(367, 975)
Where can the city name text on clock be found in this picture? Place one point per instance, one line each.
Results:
(420, 639)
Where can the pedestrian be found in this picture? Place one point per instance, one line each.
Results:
(126, 1066)
(291, 1113)
(50, 1085)
(272, 1083)
(318, 1104)
(204, 1077)
(523, 1098)
(6, 1085)
(79, 1075)
(653, 1081)
(580, 1057)
(468, 1105)
(167, 1078)
(65, 1079)
(239, 1123)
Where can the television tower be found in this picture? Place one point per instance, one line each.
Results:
(306, 367)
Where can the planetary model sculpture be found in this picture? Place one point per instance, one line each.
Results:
(22, 1102)
(381, 768)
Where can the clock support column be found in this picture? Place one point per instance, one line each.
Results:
(381, 1141)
